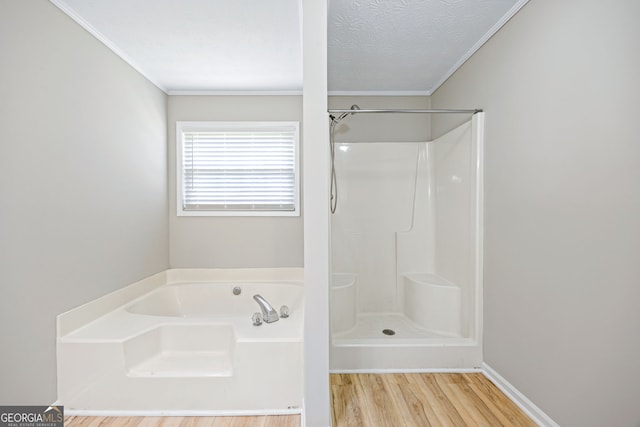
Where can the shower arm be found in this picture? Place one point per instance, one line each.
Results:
(342, 111)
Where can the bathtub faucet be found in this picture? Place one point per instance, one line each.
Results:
(269, 314)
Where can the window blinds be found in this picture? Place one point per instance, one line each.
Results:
(247, 168)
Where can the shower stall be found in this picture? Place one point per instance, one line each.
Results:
(406, 251)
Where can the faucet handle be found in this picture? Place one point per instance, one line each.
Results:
(257, 319)
(284, 311)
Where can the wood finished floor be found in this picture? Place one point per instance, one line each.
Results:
(373, 400)
(456, 400)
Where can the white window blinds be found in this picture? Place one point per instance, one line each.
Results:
(238, 167)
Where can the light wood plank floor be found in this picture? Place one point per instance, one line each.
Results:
(262, 421)
(457, 400)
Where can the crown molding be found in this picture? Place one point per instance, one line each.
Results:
(235, 92)
(379, 93)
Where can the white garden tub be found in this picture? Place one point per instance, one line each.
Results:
(183, 342)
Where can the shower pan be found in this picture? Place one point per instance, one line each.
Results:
(406, 252)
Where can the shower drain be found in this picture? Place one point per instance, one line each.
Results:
(388, 332)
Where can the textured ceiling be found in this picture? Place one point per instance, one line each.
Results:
(375, 46)
(407, 45)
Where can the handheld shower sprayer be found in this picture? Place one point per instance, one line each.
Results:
(333, 201)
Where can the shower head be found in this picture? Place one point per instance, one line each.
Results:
(354, 107)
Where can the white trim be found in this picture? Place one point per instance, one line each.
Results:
(408, 371)
(303, 420)
(379, 93)
(507, 16)
(477, 129)
(181, 413)
(527, 406)
(60, 4)
(315, 152)
(235, 92)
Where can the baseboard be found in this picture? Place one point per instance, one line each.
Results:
(407, 371)
(527, 406)
(181, 413)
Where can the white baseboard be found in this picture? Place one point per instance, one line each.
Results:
(180, 413)
(407, 371)
(527, 406)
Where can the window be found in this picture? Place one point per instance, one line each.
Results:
(237, 168)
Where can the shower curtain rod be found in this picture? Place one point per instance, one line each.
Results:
(340, 111)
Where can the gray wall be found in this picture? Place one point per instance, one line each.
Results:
(560, 84)
(82, 185)
(232, 242)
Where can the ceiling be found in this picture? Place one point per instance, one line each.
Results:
(381, 47)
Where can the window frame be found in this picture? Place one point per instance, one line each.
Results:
(194, 126)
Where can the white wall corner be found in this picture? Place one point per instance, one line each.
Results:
(528, 407)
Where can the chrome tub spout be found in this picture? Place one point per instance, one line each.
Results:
(269, 314)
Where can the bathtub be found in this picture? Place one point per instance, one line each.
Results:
(182, 342)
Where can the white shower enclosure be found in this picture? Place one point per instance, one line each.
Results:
(406, 253)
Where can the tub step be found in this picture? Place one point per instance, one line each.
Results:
(182, 364)
(183, 351)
